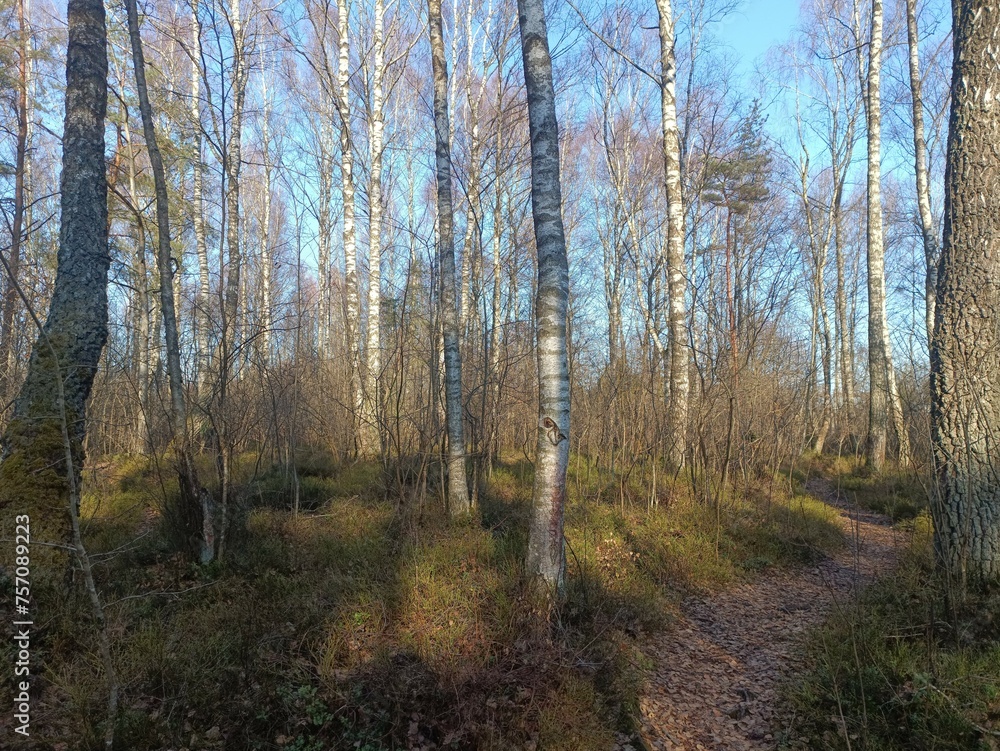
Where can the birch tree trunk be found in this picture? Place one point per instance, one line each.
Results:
(34, 460)
(325, 236)
(266, 259)
(232, 167)
(965, 348)
(472, 246)
(202, 317)
(233, 164)
(458, 491)
(677, 409)
(190, 509)
(143, 334)
(496, 297)
(546, 553)
(350, 238)
(878, 356)
(10, 300)
(371, 431)
(927, 230)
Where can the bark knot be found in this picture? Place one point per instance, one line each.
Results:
(552, 431)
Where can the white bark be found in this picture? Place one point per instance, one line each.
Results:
(546, 554)
(677, 411)
(883, 397)
(266, 258)
(928, 231)
(233, 163)
(458, 492)
(371, 432)
(343, 100)
(202, 318)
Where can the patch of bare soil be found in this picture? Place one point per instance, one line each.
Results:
(717, 673)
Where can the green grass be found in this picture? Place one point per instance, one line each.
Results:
(899, 493)
(897, 672)
(365, 622)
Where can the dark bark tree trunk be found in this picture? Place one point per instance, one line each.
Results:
(33, 477)
(965, 351)
(546, 554)
(458, 491)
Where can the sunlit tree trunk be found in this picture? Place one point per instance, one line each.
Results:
(927, 230)
(496, 307)
(266, 252)
(677, 409)
(884, 407)
(846, 353)
(472, 250)
(613, 236)
(233, 164)
(458, 492)
(353, 312)
(202, 322)
(546, 555)
(965, 348)
(371, 430)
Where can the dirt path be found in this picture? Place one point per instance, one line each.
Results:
(718, 671)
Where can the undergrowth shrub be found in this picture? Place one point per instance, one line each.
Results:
(370, 620)
(896, 672)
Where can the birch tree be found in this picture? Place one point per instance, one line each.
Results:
(202, 321)
(928, 232)
(267, 189)
(677, 409)
(233, 166)
(194, 507)
(17, 232)
(884, 408)
(352, 301)
(143, 339)
(371, 440)
(546, 554)
(458, 492)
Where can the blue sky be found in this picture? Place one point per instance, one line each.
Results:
(755, 26)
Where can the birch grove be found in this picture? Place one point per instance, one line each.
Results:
(395, 264)
(390, 375)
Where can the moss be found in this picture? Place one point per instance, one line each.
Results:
(33, 483)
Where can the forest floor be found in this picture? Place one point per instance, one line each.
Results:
(718, 671)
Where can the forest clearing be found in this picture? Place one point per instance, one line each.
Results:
(572, 376)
